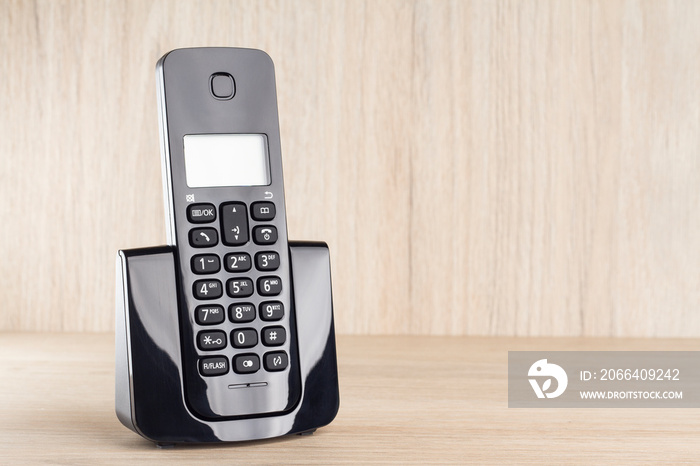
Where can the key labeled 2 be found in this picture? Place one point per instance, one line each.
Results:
(238, 262)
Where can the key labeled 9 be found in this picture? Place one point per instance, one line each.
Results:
(271, 310)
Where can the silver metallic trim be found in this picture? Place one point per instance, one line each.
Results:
(168, 202)
(123, 375)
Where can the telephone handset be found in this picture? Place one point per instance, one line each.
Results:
(247, 346)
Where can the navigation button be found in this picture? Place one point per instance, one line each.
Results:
(234, 224)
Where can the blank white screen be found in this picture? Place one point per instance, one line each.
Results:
(226, 160)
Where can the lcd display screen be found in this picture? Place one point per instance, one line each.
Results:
(226, 160)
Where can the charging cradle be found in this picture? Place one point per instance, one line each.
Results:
(150, 390)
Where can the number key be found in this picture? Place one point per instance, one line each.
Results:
(269, 286)
(268, 260)
(237, 262)
(207, 289)
(240, 287)
(241, 313)
(244, 338)
(205, 263)
(209, 315)
(271, 310)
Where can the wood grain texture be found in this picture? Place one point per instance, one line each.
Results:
(405, 400)
(479, 168)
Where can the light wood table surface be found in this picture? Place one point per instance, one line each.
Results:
(403, 399)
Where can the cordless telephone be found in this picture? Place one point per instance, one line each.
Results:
(219, 320)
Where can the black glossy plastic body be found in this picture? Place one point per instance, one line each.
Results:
(150, 389)
(188, 108)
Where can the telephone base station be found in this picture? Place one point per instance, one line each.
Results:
(151, 396)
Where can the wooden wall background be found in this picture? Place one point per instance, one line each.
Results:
(490, 168)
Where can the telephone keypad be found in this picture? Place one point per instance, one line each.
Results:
(235, 231)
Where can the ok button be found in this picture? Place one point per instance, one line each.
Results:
(201, 213)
